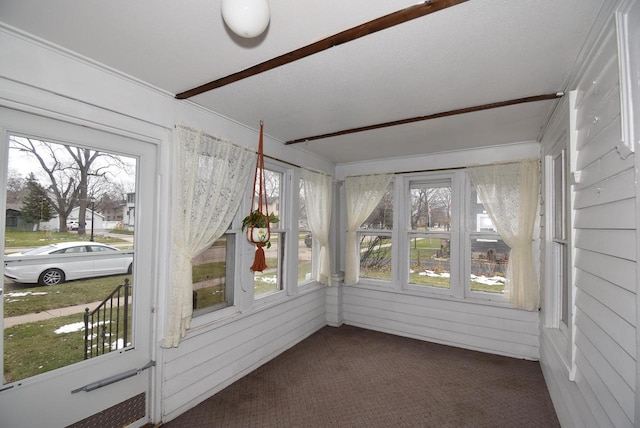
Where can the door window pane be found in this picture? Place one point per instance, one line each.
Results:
(66, 201)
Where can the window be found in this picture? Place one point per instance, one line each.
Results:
(305, 240)
(271, 279)
(559, 241)
(557, 262)
(429, 215)
(489, 254)
(213, 276)
(375, 240)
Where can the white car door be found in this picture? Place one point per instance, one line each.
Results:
(76, 262)
(107, 261)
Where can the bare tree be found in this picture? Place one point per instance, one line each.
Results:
(17, 188)
(63, 191)
(382, 215)
(430, 206)
(302, 219)
(74, 174)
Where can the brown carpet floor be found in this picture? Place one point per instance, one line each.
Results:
(352, 377)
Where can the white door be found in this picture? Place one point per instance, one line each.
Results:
(53, 383)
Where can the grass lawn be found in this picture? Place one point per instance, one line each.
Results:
(214, 294)
(209, 296)
(17, 239)
(38, 299)
(34, 348)
(304, 269)
(488, 288)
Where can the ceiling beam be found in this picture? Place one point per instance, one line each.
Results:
(382, 23)
(431, 116)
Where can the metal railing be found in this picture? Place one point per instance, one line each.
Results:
(106, 328)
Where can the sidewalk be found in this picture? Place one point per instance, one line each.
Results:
(49, 314)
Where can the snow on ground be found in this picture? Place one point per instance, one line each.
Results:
(268, 279)
(434, 274)
(492, 280)
(74, 327)
(26, 293)
(70, 328)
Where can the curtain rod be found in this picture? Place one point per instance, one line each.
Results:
(181, 125)
(455, 168)
(465, 167)
(283, 161)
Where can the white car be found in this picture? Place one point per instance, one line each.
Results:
(56, 263)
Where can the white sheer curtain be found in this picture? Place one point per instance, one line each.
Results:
(210, 180)
(317, 191)
(362, 195)
(510, 195)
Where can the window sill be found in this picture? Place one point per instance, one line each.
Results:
(435, 294)
(270, 297)
(309, 286)
(560, 347)
(220, 316)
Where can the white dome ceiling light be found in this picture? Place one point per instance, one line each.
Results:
(246, 18)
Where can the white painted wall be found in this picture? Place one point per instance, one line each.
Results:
(215, 356)
(592, 377)
(481, 327)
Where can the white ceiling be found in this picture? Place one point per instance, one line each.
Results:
(478, 52)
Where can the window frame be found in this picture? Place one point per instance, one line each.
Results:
(561, 334)
(315, 252)
(230, 277)
(404, 223)
(459, 237)
(285, 215)
(391, 233)
(373, 281)
(469, 235)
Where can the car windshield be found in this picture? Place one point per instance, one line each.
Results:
(39, 250)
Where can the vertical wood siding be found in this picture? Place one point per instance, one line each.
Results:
(209, 360)
(481, 327)
(604, 278)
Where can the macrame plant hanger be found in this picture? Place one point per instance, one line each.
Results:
(259, 238)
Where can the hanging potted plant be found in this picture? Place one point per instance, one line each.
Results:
(258, 227)
(258, 221)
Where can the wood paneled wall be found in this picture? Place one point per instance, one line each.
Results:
(604, 264)
(207, 361)
(482, 327)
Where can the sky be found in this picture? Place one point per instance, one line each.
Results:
(23, 163)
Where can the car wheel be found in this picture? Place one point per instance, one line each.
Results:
(130, 270)
(51, 277)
